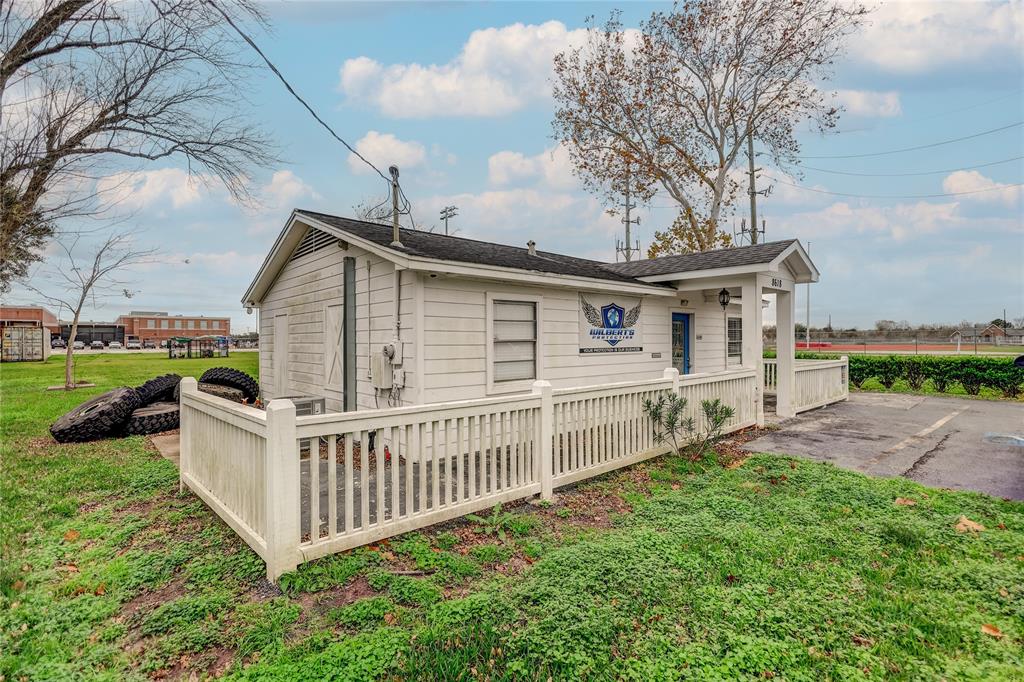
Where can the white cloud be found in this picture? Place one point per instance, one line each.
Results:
(383, 150)
(899, 222)
(552, 167)
(142, 189)
(498, 70)
(870, 103)
(915, 37)
(982, 189)
(284, 188)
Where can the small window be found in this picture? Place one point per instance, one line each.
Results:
(735, 341)
(177, 324)
(150, 324)
(515, 341)
(202, 324)
(191, 324)
(164, 324)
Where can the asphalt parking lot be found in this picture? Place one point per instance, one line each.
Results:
(938, 441)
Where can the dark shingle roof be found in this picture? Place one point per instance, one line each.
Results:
(708, 260)
(461, 249)
(432, 245)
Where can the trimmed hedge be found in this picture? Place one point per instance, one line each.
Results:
(971, 372)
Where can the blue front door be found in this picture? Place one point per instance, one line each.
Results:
(681, 342)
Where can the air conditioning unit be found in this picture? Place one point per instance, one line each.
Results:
(307, 405)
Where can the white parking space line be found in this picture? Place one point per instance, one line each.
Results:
(917, 437)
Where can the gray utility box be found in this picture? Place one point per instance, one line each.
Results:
(306, 405)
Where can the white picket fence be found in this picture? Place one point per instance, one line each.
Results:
(816, 382)
(298, 488)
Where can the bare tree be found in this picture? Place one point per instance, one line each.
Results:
(93, 87)
(88, 280)
(373, 211)
(675, 102)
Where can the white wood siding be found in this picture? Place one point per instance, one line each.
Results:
(311, 288)
(455, 344)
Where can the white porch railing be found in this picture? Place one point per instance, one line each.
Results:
(815, 382)
(297, 488)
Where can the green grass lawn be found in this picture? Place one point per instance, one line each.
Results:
(777, 567)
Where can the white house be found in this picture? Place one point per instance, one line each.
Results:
(459, 374)
(476, 319)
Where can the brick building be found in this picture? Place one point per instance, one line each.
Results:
(160, 326)
(28, 315)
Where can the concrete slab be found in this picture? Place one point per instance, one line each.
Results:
(939, 441)
(168, 445)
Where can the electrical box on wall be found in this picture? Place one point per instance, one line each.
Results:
(382, 373)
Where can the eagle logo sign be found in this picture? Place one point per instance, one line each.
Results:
(612, 323)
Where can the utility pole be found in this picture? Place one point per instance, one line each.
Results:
(753, 188)
(626, 248)
(446, 213)
(395, 236)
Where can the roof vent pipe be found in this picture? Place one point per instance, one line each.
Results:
(531, 247)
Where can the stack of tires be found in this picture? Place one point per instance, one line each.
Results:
(149, 408)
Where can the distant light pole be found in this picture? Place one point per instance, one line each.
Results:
(446, 213)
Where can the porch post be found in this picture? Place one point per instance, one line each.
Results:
(753, 341)
(785, 343)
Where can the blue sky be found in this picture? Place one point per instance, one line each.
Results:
(457, 95)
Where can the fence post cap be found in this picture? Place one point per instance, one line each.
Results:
(670, 372)
(540, 384)
(189, 385)
(280, 405)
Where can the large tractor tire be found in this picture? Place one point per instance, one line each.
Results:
(226, 376)
(226, 392)
(97, 417)
(155, 418)
(158, 389)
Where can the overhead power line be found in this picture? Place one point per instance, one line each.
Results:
(915, 148)
(916, 120)
(291, 90)
(907, 175)
(894, 196)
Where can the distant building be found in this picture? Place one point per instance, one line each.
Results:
(991, 334)
(29, 316)
(89, 331)
(159, 326)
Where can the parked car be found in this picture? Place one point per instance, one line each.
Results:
(58, 343)
(78, 345)
(148, 344)
(115, 344)
(96, 345)
(133, 344)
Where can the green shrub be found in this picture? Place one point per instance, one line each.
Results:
(861, 369)
(890, 369)
(915, 371)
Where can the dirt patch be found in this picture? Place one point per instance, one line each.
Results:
(320, 602)
(145, 602)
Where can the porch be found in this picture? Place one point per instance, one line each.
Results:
(297, 488)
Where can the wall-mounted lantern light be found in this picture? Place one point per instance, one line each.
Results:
(724, 297)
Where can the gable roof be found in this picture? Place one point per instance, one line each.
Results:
(459, 255)
(708, 260)
(464, 250)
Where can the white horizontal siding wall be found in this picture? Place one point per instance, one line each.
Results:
(455, 344)
(304, 289)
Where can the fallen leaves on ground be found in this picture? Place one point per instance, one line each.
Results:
(72, 535)
(905, 502)
(965, 525)
(992, 631)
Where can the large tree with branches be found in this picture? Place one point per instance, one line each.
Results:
(669, 107)
(90, 87)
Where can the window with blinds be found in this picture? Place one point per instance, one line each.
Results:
(735, 340)
(515, 340)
